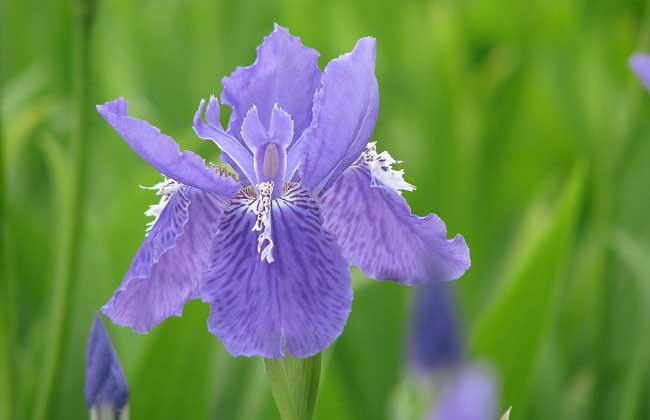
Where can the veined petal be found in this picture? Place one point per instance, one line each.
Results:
(285, 72)
(378, 233)
(345, 112)
(166, 271)
(299, 302)
(162, 152)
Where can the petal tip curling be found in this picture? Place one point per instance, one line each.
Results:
(117, 107)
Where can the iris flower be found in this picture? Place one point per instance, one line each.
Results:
(269, 248)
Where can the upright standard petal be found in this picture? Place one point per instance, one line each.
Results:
(345, 112)
(105, 383)
(640, 64)
(299, 302)
(166, 271)
(378, 233)
(472, 395)
(435, 340)
(285, 72)
(162, 152)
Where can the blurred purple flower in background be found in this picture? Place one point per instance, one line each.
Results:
(471, 395)
(640, 64)
(437, 355)
(106, 389)
(270, 251)
(436, 341)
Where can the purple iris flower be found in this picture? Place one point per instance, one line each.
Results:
(471, 396)
(270, 248)
(436, 341)
(640, 64)
(106, 388)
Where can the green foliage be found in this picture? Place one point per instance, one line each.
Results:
(511, 330)
(295, 385)
(519, 123)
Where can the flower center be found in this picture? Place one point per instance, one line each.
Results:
(271, 165)
(263, 221)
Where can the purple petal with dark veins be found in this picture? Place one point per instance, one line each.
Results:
(472, 395)
(300, 302)
(162, 152)
(640, 64)
(378, 233)
(345, 112)
(166, 271)
(105, 382)
(285, 72)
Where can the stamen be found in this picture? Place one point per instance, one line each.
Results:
(271, 164)
(263, 221)
(382, 173)
(165, 189)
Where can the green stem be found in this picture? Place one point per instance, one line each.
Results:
(66, 272)
(7, 322)
(294, 383)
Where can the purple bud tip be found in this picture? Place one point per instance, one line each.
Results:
(640, 64)
(105, 383)
(436, 340)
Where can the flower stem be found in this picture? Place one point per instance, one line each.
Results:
(294, 383)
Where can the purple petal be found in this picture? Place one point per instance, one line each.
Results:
(285, 72)
(640, 64)
(162, 152)
(237, 152)
(252, 131)
(300, 302)
(281, 126)
(378, 233)
(105, 383)
(436, 341)
(471, 396)
(166, 271)
(345, 112)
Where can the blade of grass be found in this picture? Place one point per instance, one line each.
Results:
(511, 330)
(634, 254)
(71, 221)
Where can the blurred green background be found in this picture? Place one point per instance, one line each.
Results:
(519, 123)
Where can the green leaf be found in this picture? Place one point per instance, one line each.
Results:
(367, 364)
(634, 253)
(511, 330)
(295, 385)
(187, 390)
